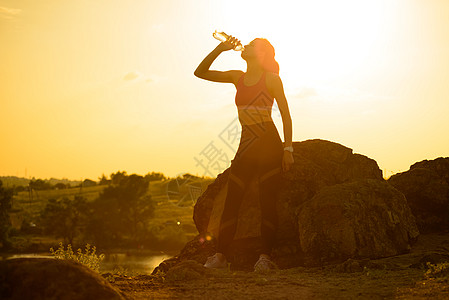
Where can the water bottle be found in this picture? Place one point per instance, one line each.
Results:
(221, 36)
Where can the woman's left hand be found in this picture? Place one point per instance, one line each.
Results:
(287, 161)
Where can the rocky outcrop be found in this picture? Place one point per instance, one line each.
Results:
(48, 278)
(360, 219)
(334, 205)
(426, 187)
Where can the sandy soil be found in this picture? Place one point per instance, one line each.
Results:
(387, 278)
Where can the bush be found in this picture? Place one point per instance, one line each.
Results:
(89, 258)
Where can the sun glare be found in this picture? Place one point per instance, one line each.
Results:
(324, 39)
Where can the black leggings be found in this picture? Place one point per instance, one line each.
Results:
(260, 153)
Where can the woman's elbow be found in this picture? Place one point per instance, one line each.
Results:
(198, 74)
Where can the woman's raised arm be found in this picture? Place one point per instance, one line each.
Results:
(203, 72)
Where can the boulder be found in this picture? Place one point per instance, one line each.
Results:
(49, 278)
(426, 187)
(319, 164)
(361, 219)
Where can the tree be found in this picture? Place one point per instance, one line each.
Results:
(64, 218)
(117, 177)
(122, 210)
(153, 176)
(39, 185)
(103, 180)
(5, 223)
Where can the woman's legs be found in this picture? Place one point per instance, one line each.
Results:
(270, 182)
(241, 172)
(260, 153)
(243, 169)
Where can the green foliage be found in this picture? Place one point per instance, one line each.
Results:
(40, 185)
(122, 211)
(440, 271)
(103, 180)
(64, 218)
(89, 258)
(5, 223)
(153, 176)
(116, 178)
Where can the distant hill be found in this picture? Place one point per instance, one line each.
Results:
(10, 181)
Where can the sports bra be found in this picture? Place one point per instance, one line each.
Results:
(253, 102)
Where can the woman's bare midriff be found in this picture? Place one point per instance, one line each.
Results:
(249, 116)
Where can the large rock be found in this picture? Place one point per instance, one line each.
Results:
(48, 278)
(318, 164)
(426, 187)
(361, 219)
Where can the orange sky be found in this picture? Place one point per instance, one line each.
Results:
(93, 87)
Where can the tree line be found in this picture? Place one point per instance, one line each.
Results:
(22, 184)
(118, 217)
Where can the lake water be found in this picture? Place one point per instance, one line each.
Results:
(140, 264)
(123, 262)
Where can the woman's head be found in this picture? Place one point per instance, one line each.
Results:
(262, 51)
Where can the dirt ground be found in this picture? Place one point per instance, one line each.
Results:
(386, 278)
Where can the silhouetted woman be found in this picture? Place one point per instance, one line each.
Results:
(260, 152)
